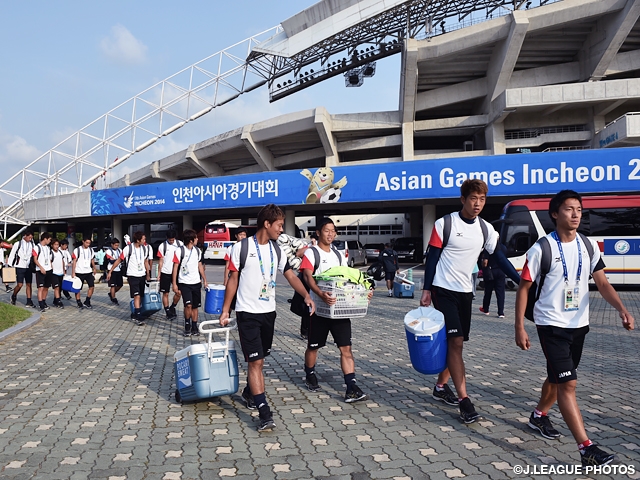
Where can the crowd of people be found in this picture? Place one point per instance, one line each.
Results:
(457, 241)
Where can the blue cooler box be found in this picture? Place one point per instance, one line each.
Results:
(150, 304)
(427, 340)
(403, 290)
(71, 284)
(214, 299)
(206, 370)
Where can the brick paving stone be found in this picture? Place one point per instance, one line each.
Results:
(92, 397)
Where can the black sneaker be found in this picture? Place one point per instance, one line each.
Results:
(46, 307)
(59, 305)
(266, 423)
(248, 399)
(41, 309)
(312, 382)
(195, 331)
(87, 304)
(7, 288)
(139, 321)
(543, 425)
(30, 304)
(13, 299)
(172, 315)
(114, 300)
(67, 296)
(354, 395)
(186, 333)
(468, 413)
(594, 456)
(445, 395)
(110, 297)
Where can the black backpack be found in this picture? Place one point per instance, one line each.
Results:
(125, 261)
(32, 262)
(446, 231)
(545, 266)
(298, 306)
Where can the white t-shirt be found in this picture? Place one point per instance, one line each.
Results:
(327, 260)
(251, 279)
(455, 266)
(58, 262)
(24, 250)
(135, 260)
(227, 256)
(83, 258)
(167, 250)
(549, 309)
(67, 258)
(189, 272)
(1, 256)
(113, 254)
(43, 254)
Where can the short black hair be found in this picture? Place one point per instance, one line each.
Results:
(269, 213)
(114, 240)
(559, 198)
(64, 241)
(323, 222)
(172, 234)
(242, 230)
(27, 233)
(84, 239)
(189, 236)
(137, 236)
(44, 236)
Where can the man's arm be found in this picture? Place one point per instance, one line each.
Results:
(230, 292)
(613, 299)
(174, 275)
(73, 266)
(522, 295)
(505, 265)
(202, 274)
(35, 259)
(225, 279)
(297, 285)
(433, 256)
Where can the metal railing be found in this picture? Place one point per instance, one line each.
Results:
(536, 132)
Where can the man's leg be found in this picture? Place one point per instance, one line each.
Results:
(486, 299)
(568, 405)
(500, 294)
(455, 367)
(187, 319)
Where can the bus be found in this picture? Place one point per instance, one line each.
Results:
(217, 236)
(612, 221)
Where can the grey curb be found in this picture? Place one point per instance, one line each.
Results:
(32, 320)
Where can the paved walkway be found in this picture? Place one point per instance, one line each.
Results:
(87, 394)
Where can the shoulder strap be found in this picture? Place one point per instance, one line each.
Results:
(446, 231)
(545, 263)
(337, 252)
(278, 250)
(485, 231)
(588, 244)
(316, 259)
(244, 253)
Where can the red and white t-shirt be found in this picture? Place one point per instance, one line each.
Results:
(189, 271)
(83, 257)
(250, 281)
(167, 251)
(327, 260)
(457, 260)
(135, 257)
(227, 256)
(549, 309)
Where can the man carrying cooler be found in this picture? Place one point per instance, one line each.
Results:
(253, 278)
(455, 245)
(561, 315)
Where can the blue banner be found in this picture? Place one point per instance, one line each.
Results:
(521, 175)
(621, 246)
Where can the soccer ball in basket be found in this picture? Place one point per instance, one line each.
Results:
(331, 196)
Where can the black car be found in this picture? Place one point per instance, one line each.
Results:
(373, 250)
(409, 249)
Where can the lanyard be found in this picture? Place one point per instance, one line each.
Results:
(142, 255)
(564, 263)
(190, 252)
(255, 239)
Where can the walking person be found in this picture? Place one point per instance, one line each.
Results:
(64, 247)
(43, 258)
(561, 315)
(188, 276)
(253, 279)
(20, 257)
(389, 259)
(454, 247)
(138, 272)
(59, 266)
(241, 234)
(84, 267)
(166, 252)
(318, 259)
(494, 280)
(115, 281)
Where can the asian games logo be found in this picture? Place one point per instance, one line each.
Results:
(128, 201)
(622, 247)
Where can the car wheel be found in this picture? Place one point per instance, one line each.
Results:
(351, 263)
(365, 260)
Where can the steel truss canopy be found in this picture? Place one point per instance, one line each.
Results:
(335, 37)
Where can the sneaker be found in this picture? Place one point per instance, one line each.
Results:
(87, 303)
(355, 395)
(195, 331)
(594, 456)
(41, 309)
(110, 297)
(59, 305)
(543, 425)
(139, 321)
(80, 306)
(468, 413)
(114, 300)
(172, 313)
(390, 294)
(312, 382)
(266, 424)
(67, 296)
(445, 395)
(186, 333)
(13, 300)
(500, 316)
(482, 310)
(248, 399)
(30, 304)
(7, 288)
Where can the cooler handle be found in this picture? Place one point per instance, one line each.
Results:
(424, 338)
(209, 333)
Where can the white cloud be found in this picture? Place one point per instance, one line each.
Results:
(15, 152)
(122, 47)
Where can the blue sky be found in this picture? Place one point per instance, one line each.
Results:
(67, 63)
